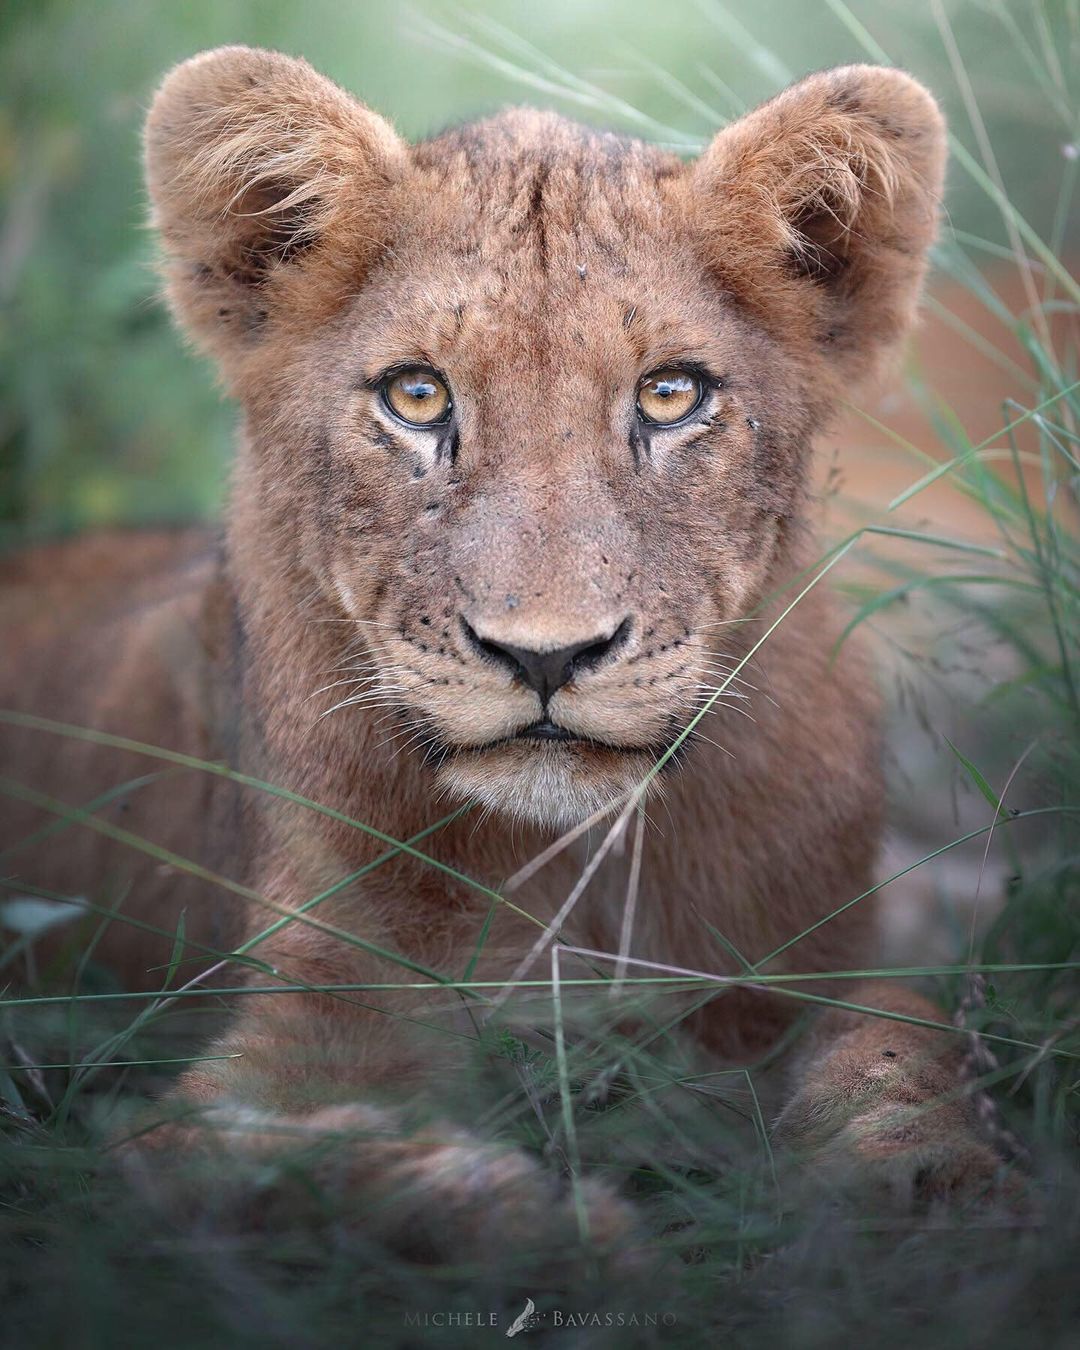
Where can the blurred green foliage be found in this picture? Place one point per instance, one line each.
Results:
(102, 416)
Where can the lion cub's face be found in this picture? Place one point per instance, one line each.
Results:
(552, 465)
(532, 403)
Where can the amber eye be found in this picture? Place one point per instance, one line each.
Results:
(418, 396)
(667, 396)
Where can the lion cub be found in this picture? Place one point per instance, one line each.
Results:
(528, 412)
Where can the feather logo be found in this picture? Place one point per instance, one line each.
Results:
(524, 1320)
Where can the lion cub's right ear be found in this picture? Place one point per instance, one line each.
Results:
(252, 161)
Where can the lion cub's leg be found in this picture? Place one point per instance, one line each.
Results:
(315, 1108)
(883, 1102)
(434, 1193)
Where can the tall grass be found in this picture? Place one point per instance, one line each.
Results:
(743, 1249)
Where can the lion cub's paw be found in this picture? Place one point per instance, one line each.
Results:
(900, 1130)
(912, 1161)
(438, 1194)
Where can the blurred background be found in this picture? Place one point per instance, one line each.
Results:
(104, 419)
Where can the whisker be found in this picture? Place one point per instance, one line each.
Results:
(700, 735)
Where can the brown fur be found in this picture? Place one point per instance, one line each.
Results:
(544, 269)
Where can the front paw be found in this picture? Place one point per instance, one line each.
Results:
(438, 1195)
(901, 1132)
(912, 1158)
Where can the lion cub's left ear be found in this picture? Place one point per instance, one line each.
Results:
(817, 211)
(270, 190)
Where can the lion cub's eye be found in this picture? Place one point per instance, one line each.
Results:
(667, 396)
(417, 396)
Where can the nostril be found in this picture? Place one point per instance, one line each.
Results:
(595, 652)
(546, 671)
(491, 650)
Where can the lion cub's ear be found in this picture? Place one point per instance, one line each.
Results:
(817, 211)
(252, 160)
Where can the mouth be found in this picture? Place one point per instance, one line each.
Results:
(546, 730)
(547, 733)
(546, 773)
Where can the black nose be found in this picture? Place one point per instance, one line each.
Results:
(546, 671)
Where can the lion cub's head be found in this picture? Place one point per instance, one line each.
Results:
(529, 406)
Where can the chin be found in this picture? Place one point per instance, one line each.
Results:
(554, 787)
